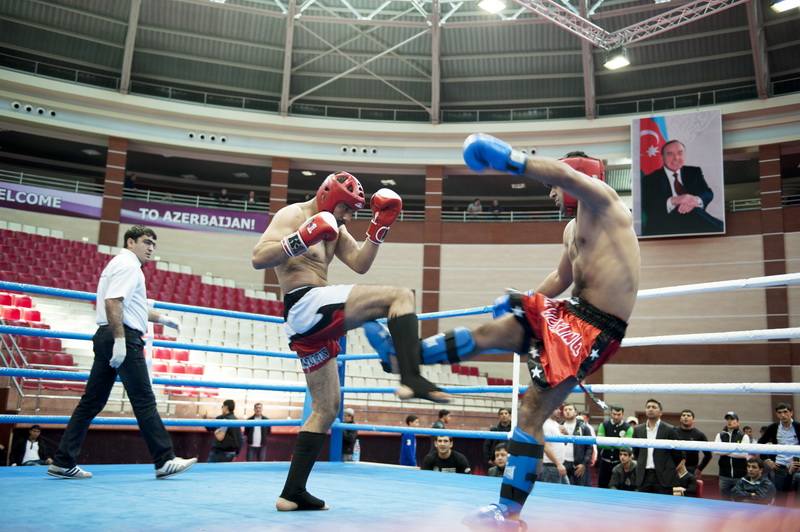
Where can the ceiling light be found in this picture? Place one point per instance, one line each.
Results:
(617, 58)
(188, 176)
(492, 6)
(308, 173)
(388, 182)
(517, 185)
(241, 175)
(91, 151)
(785, 5)
(661, 1)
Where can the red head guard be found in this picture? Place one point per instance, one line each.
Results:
(340, 187)
(589, 166)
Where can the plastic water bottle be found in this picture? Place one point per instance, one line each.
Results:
(357, 451)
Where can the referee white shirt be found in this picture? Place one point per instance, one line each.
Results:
(123, 278)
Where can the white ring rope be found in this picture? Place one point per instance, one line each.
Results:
(733, 336)
(752, 282)
(700, 387)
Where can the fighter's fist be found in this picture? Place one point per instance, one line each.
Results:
(386, 206)
(483, 151)
(321, 226)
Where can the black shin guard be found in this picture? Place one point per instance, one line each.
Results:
(405, 336)
(306, 450)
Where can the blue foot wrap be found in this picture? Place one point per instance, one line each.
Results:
(524, 453)
(381, 341)
(447, 348)
(492, 517)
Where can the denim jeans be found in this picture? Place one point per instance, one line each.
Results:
(549, 473)
(136, 379)
(257, 454)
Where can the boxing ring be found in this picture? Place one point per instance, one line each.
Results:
(240, 496)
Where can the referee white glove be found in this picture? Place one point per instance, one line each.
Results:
(118, 353)
(169, 321)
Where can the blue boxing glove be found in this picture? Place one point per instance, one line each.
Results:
(482, 151)
(501, 306)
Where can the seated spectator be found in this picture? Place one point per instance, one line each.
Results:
(500, 461)
(251, 198)
(496, 209)
(445, 458)
(130, 182)
(475, 207)
(623, 476)
(30, 451)
(687, 482)
(755, 488)
(222, 196)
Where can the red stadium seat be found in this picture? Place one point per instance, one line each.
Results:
(6, 299)
(180, 355)
(52, 345)
(195, 369)
(30, 343)
(31, 315)
(159, 367)
(11, 313)
(23, 301)
(158, 328)
(177, 367)
(162, 353)
(699, 488)
(39, 358)
(39, 325)
(63, 359)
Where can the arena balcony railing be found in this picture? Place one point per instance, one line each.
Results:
(691, 99)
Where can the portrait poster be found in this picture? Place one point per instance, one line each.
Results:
(677, 182)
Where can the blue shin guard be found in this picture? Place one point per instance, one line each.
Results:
(524, 453)
(445, 348)
(449, 347)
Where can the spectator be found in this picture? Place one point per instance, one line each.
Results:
(577, 455)
(348, 436)
(749, 433)
(408, 443)
(257, 437)
(655, 468)
(623, 476)
(441, 423)
(756, 487)
(583, 415)
(609, 455)
(553, 470)
(475, 208)
(30, 451)
(632, 421)
(130, 182)
(732, 466)
(500, 460)
(122, 315)
(251, 198)
(227, 440)
(222, 196)
(496, 209)
(503, 425)
(445, 459)
(786, 431)
(686, 486)
(687, 432)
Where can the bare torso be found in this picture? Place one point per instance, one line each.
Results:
(604, 253)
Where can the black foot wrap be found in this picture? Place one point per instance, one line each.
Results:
(304, 500)
(405, 336)
(451, 347)
(507, 491)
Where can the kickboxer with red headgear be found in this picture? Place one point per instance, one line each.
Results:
(301, 241)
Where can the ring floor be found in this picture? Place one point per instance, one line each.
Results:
(362, 496)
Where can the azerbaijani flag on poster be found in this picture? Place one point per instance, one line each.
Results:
(652, 135)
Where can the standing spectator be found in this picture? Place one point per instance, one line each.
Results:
(30, 451)
(688, 432)
(130, 182)
(257, 437)
(496, 209)
(440, 423)
(609, 456)
(732, 466)
(686, 486)
(222, 196)
(578, 455)
(623, 476)
(553, 470)
(784, 432)
(348, 436)
(227, 440)
(408, 443)
(655, 468)
(503, 425)
(475, 208)
(756, 487)
(500, 460)
(445, 458)
(122, 314)
(632, 421)
(749, 432)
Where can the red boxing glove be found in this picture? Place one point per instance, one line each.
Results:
(386, 206)
(321, 226)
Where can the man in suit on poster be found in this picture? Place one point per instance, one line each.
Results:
(675, 197)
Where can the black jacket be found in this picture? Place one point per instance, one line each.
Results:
(18, 450)
(732, 467)
(581, 454)
(771, 436)
(232, 442)
(664, 460)
(265, 431)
